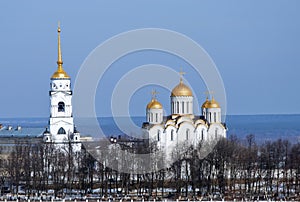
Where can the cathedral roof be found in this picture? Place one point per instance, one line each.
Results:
(154, 104)
(212, 104)
(60, 72)
(181, 90)
(206, 103)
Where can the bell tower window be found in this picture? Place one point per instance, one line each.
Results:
(61, 131)
(61, 107)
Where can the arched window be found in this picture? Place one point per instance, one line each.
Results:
(172, 134)
(177, 108)
(183, 107)
(173, 108)
(61, 131)
(202, 134)
(61, 107)
(158, 135)
(215, 116)
(156, 117)
(187, 134)
(187, 107)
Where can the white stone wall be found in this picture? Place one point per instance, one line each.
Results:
(215, 131)
(61, 115)
(56, 98)
(182, 105)
(213, 115)
(60, 85)
(66, 123)
(155, 116)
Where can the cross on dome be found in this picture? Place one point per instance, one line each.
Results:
(154, 93)
(181, 74)
(209, 93)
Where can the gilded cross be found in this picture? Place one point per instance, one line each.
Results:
(208, 93)
(181, 74)
(154, 93)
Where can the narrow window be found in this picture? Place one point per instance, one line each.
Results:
(202, 134)
(187, 134)
(177, 108)
(61, 107)
(187, 107)
(156, 117)
(151, 117)
(215, 116)
(172, 134)
(158, 135)
(173, 108)
(183, 107)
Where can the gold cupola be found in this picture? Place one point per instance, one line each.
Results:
(206, 103)
(181, 89)
(154, 104)
(60, 72)
(213, 103)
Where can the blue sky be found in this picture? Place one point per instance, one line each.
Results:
(254, 44)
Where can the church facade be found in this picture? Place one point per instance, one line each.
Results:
(62, 130)
(182, 125)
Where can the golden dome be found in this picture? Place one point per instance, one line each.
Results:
(154, 104)
(60, 74)
(181, 90)
(205, 104)
(213, 104)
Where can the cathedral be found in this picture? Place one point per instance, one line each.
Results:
(183, 126)
(62, 130)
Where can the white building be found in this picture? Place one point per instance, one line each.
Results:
(61, 126)
(183, 126)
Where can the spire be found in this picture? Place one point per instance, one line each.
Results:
(59, 58)
(60, 73)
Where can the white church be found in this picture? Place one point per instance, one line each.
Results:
(183, 126)
(62, 130)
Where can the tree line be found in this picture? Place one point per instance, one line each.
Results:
(233, 169)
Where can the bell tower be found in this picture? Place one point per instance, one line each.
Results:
(61, 125)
